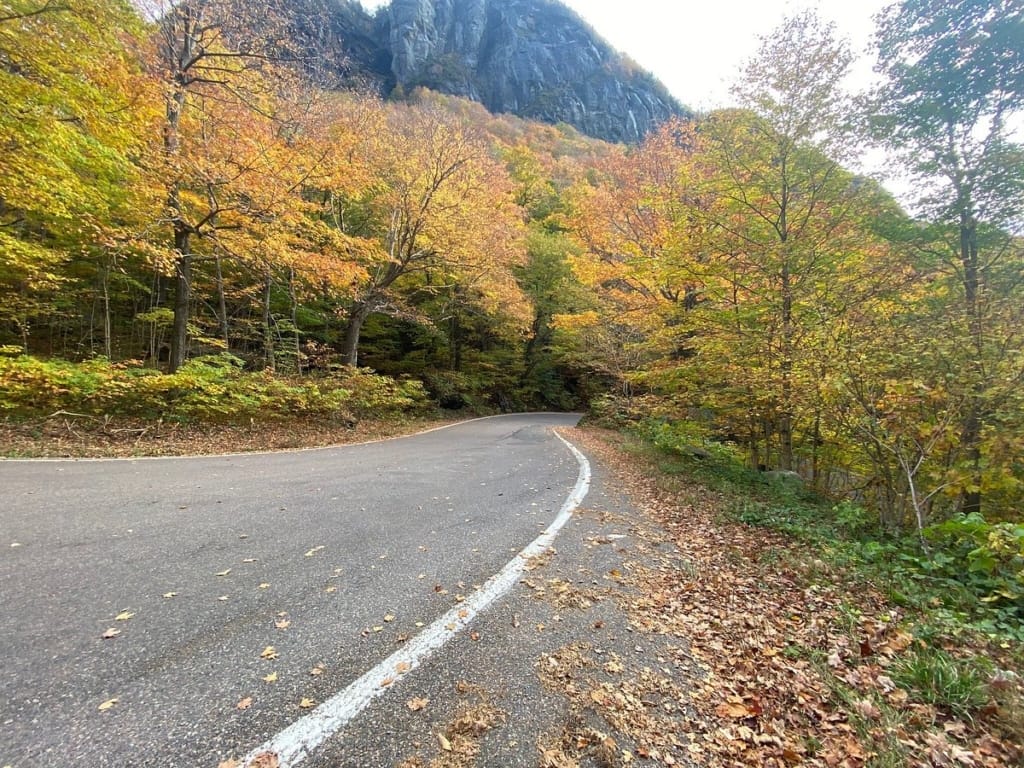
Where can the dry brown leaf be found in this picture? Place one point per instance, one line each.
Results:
(417, 703)
(307, 703)
(269, 653)
(389, 618)
(443, 741)
(244, 703)
(402, 667)
(386, 682)
(229, 763)
(282, 624)
(265, 760)
(316, 671)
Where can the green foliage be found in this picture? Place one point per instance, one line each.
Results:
(932, 676)
(970, 575)
(206, 389)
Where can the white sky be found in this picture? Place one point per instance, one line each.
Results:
(697, 48)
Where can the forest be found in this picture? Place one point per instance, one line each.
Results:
(196, 226)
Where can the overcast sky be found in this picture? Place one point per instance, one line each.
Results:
(697, 48)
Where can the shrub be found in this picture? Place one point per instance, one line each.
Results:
(206, 389)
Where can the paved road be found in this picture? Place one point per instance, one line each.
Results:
(351, 550)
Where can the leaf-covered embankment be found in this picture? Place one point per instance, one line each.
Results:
(808, 662)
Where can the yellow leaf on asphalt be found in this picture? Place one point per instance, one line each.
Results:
(282, 624)
(331, 589)
(244, 703)
(271, 678)
(270, 652)
(316, 671)
(168, 595)
(313, 551)
(443, 741)
(417, 703)
(389, 618)
(223, 598)
(108, 704)
(223, 573)
(264, 585)
(378, 629)
(307, 704)
(111, 633)
(123, 616)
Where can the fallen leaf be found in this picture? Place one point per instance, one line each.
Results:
(223, 598)
(282, 624)
(250, 560)
(313, 551)
(378, 629)
(269, 653)
(168, 595)
(111, 633)
(264, 585)
(474, 636)
(265, 760)
(223, 573)
(244, 703)
(463, 613)
(271, 678)
(329, 590)
(229, 763)
(315, 671)
(307, 704)
(443, 741)
(123, 616)
(417, 703)
(389, 618)
(460, 598)
(386, 682)
(402, 667)
(108, 704)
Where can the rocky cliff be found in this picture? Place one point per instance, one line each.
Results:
(533, 58)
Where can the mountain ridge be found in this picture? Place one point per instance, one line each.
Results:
(534, 58)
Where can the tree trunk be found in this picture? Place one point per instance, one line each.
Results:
(107, 346)
(973, 424)
(268, 330)
(786, 412)
(222, 305)
(182, 299)
(350, 346)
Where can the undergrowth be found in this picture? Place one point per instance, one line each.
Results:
(212, 389)
(961, 587)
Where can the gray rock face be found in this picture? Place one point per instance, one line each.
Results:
(533, 58)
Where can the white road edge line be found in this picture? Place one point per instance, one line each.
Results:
(299, 740)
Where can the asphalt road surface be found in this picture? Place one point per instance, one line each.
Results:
(279, 578)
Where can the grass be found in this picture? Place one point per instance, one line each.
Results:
(954, 685)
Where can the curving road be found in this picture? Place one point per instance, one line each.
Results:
(326, 561)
